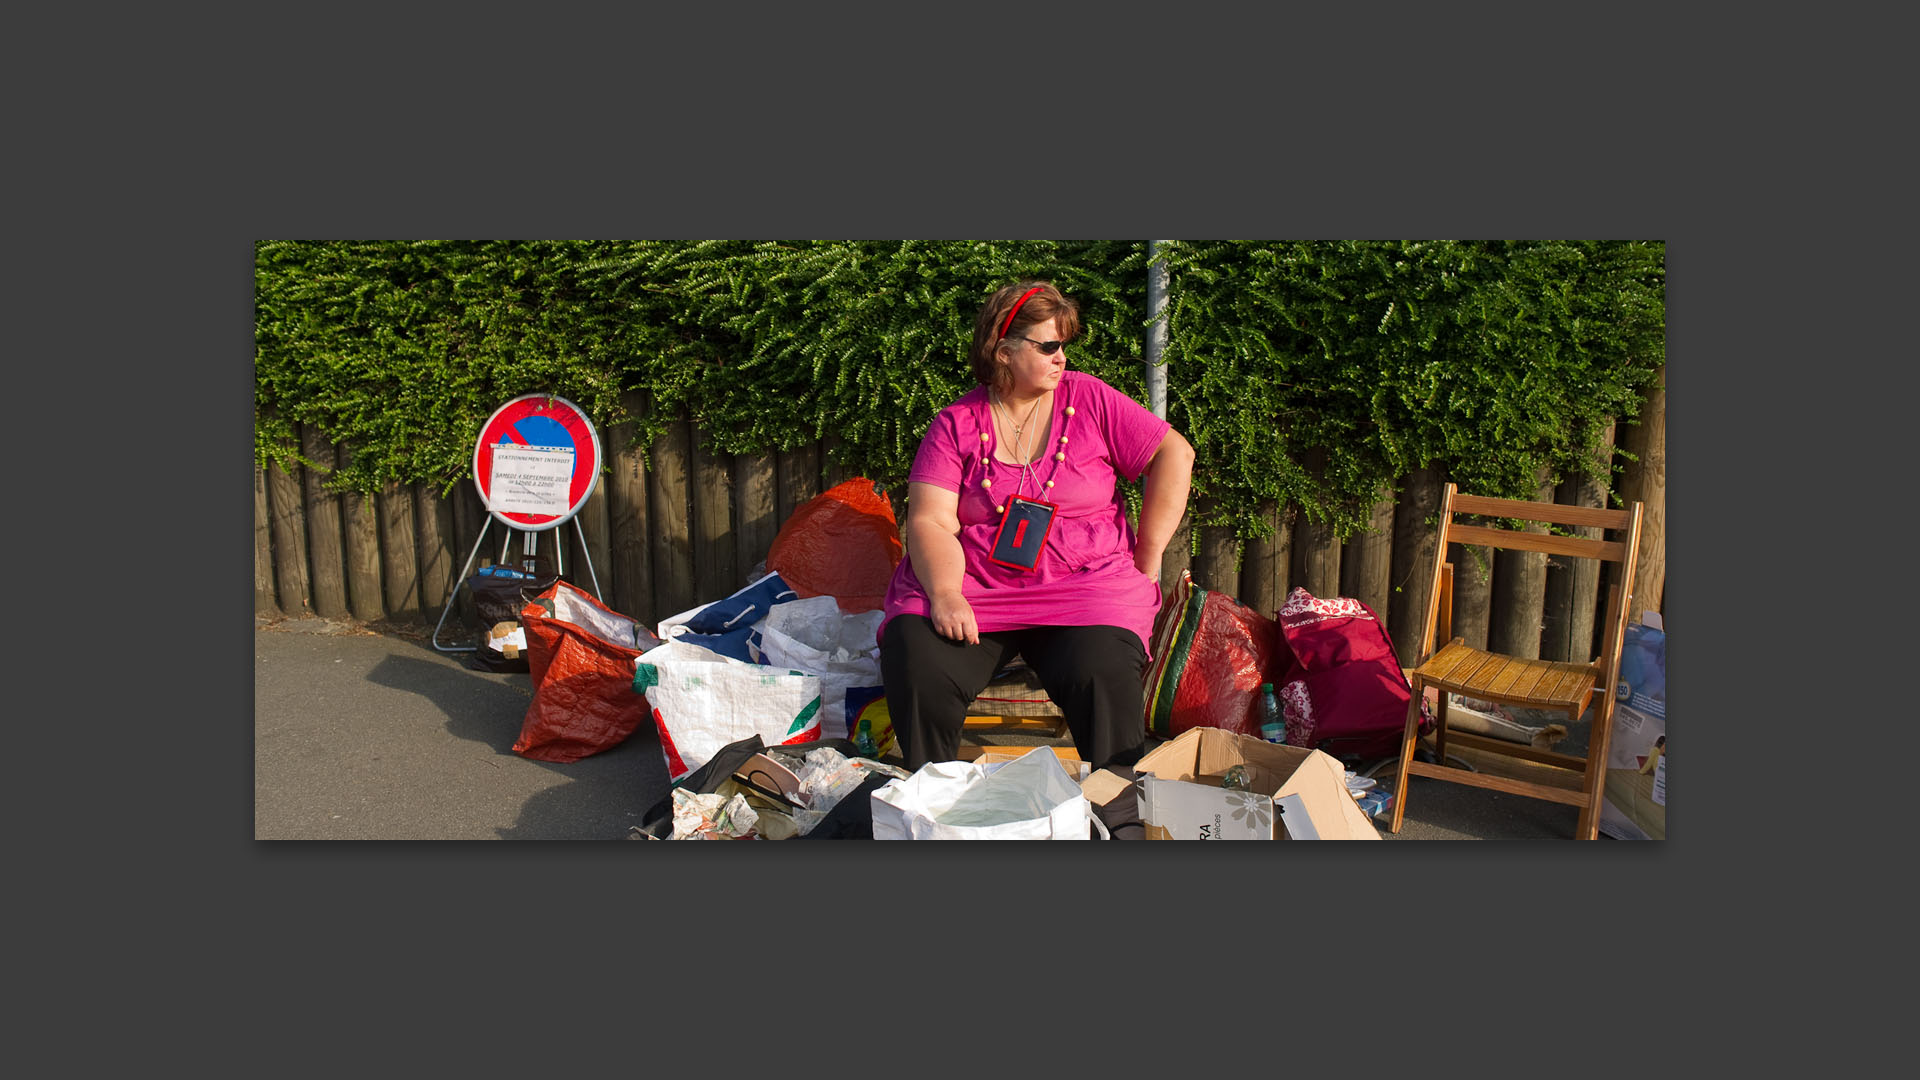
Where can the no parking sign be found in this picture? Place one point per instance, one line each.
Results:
(536, 462)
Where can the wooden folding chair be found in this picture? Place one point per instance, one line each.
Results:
(1457, 668)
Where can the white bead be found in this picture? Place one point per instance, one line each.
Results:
(1059, 457)
(999, 509)
(987, 483)
(983, 436)
(1063, 438)
(1049, 483)
(1069, 410)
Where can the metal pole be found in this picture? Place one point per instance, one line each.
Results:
(1156, 329)
(587, 555)
(455, 594)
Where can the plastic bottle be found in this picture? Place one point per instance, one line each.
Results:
(1273, 722)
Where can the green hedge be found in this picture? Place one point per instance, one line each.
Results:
(1492, 360)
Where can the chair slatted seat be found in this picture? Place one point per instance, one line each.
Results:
(1536, 684)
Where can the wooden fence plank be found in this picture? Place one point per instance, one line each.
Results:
(1265, 563)
(399, 568)
(1516, 608)
(1316, 557)
(287, 518)
(326, 560)
(597, 525)
(1366, 562)
(1573, 585)
(631, 550)
(797, 479)
(588, 542)
(672, 519)
(469, 518)
(469, 521)
(433, 533)
(897, 499)
(1645, 481)
(716, 570)
(1216, 562)
(1472, 594)
(1415, 544)
(263, 598)
(360, 525)
(754, 509)
(1178, 556)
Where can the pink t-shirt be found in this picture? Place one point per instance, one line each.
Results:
(1085, 574)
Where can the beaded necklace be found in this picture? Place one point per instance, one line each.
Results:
(1019, 451)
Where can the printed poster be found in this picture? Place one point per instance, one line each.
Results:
(531, 480)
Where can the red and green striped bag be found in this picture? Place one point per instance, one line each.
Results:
(1210, 655)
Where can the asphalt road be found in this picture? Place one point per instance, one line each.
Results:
(373, 734)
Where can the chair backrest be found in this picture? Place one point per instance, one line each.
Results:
(1623, 551)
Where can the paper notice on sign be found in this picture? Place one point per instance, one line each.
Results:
(531, 479)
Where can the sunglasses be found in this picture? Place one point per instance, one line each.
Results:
(1047, 348)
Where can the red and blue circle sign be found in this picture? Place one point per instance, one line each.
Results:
(542, 429)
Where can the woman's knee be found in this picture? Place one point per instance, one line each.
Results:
(917, 661)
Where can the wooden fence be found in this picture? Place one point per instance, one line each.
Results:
(694, 526)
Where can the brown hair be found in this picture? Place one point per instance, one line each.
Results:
(1048, 303)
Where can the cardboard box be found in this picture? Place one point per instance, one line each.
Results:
(1104, 786)
(1296, 794)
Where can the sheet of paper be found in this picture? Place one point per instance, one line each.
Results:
(531, 479)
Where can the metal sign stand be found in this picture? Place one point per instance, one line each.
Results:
(529, 548)
(526, 423)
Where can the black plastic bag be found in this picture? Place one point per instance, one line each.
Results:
(1123, 810)
(850, 819)
(499, 594)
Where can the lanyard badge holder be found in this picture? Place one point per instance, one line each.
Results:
(1023, 532)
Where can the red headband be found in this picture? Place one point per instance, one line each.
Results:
(1008, 325)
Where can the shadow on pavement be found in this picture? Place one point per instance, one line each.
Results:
(479, 706)
(606, 793)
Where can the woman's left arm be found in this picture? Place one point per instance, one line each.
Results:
(1163, 500)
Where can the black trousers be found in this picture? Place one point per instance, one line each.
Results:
(1092, 672)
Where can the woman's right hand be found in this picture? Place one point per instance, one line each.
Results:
(952, 618)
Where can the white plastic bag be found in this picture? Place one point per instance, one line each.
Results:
(813, 635)
(727, 626)
(1032, 798)
(702, 701)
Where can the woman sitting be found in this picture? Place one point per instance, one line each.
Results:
(1018, 541)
